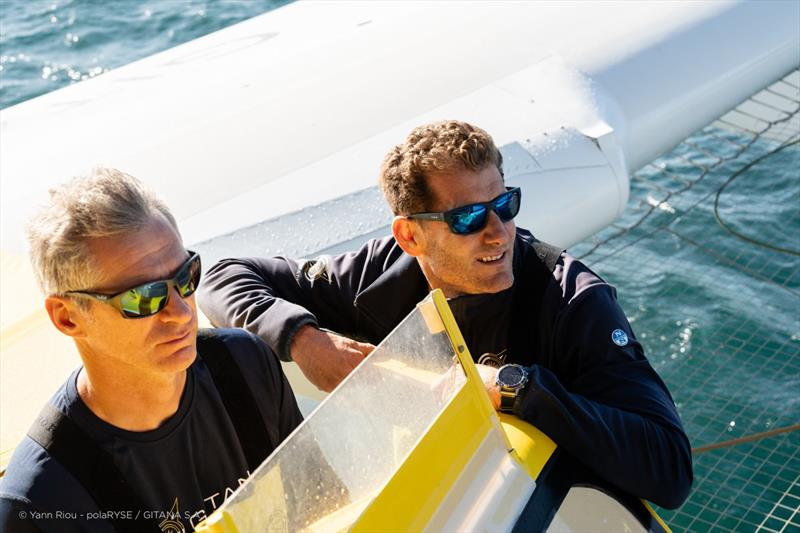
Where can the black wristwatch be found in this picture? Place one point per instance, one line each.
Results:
(511, 379)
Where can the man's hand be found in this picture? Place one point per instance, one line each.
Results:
(326, 358)
(489, 377)
(454, 378)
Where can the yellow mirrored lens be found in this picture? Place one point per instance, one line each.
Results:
(134, 304)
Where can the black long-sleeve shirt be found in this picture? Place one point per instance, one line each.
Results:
(591, 388)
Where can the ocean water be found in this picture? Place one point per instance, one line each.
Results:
(705, 258)
(47, 44)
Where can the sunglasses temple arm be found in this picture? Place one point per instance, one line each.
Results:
(428, 216)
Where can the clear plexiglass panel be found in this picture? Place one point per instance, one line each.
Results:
(333, 465)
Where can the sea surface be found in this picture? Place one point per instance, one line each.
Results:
(705, 259)
(45, 45)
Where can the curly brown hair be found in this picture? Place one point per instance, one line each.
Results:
(441, 147)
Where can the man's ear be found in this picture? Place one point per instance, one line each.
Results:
(408, 235)
(65, 315)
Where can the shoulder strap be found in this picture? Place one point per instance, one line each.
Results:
(236, 396)
(530, 282)
(91, 465)
(547, 253)
(95, 469)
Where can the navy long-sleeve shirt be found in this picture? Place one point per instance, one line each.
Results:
(591, 388)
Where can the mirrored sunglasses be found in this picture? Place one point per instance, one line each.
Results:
(474, 217)
(150, 298)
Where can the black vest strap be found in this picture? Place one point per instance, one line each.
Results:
(531, 279)
(547, 253)
(90, 465)
(237, 397)
(94, 468)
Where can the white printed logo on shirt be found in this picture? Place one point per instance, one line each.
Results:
(493, 359)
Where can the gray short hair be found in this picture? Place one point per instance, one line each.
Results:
(103, 203)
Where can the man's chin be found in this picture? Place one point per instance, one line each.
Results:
(495, 278)
(505, 285)
(502, 281)
(497, 284)
(179, 358)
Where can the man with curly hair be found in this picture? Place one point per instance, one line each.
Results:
(541, 315)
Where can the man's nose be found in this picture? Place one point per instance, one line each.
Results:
(496, 231)
(178, 309)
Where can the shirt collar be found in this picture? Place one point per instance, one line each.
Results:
(394, 293)
(401, 286)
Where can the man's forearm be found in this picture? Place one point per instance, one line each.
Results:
(235, 294)
(643, 453)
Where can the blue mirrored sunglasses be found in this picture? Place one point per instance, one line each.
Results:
(474, 217)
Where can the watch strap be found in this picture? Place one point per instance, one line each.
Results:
(508, 398)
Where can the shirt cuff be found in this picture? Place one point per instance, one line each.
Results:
(286, 352)
(520, 399)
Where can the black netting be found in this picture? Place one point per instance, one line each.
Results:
(707, 262)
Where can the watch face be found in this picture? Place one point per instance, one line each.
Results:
(511, 376)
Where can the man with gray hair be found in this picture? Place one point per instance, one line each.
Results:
(162, 422)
